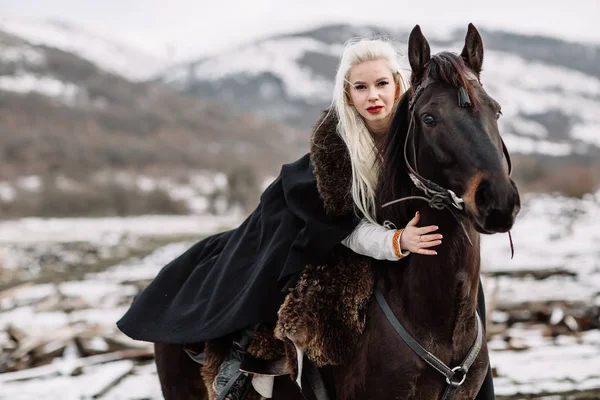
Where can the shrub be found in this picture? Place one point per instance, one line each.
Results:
(243, 189)
(107, 199)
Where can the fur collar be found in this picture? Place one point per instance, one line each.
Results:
(332, 167)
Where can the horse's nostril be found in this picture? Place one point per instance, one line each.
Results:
(482, 194)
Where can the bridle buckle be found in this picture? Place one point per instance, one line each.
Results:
(451, 380)
(456, 201)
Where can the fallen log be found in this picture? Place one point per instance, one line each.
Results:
(108, 379)
(54, 369)
(537, 274)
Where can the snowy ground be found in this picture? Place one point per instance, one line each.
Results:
(530, 358)
(105, 230)
(563, 235)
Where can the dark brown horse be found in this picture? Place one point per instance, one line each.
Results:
(445, 133)
(454, 141)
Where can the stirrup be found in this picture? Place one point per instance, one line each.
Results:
(236, 387)
(238, 381)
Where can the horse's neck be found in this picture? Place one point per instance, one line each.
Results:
(439, 293)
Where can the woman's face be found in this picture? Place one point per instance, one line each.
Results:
(373, 93)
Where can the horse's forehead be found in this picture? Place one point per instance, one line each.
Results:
(442, 100)
(441, 96)
(445, 95)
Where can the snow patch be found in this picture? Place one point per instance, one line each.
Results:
(278, 57)
(105, 53)
(23, 54)
(526, 145)
(26, 82)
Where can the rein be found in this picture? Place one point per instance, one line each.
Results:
(456, 376)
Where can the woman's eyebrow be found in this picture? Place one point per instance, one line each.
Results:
(378, 80)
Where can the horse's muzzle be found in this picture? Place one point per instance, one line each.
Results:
(497, 203)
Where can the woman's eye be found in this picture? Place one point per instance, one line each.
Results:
(383, 83)
(498, 114)
(359, 87)
(428, 120)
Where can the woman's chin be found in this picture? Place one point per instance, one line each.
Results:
(376, 118)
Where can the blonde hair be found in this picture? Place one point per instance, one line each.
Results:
(351, 126)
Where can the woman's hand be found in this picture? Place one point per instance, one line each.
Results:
(419, 240)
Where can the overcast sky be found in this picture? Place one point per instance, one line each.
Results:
(194, 27)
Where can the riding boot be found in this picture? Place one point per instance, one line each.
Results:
(231, 383)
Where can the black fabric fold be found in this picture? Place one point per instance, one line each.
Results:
(234, 279)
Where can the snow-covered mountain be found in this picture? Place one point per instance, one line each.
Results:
(108, 54)
(57, 81)
(63, 109)
(549, 89)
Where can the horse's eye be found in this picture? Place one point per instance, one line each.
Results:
(498, 114)
(428, 120)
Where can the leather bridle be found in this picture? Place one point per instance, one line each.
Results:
(437, 196)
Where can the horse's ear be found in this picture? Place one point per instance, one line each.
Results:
(418, 54)
(472, 53)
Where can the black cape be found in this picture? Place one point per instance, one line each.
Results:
(238, 278)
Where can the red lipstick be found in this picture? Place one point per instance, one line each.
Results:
(374, 109)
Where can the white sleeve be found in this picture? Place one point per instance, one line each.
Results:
(372, 240)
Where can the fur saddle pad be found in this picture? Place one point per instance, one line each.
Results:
(322, 317)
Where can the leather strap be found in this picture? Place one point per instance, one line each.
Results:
(197, 357)
(315, 382)
(507, 157)
(454, 376)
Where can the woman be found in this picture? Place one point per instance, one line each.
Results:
(234, 280)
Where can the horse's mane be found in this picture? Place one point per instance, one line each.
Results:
(451, 69)
(393, 179)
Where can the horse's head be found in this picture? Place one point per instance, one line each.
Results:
(453, 136)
